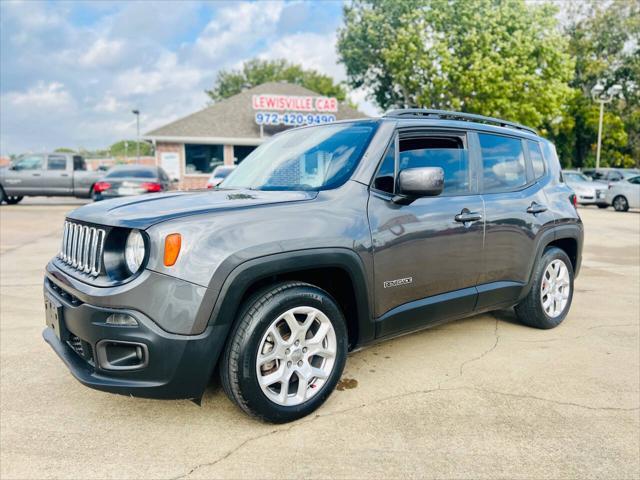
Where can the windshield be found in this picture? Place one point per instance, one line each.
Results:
(575, 177)
(130, 172)
(313, 158)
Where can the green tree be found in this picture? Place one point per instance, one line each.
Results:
(506, 59)
(119, 149)
(605, 41)
(64, 150)
(256, 71)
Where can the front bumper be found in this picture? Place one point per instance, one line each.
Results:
(174, 366)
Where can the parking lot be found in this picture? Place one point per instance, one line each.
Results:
(478, 398)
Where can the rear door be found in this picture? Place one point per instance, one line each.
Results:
(58, 176)
(516, 208)
(427, 255)
(25, 176)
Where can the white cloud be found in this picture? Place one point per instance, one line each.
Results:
(109, 104)
(311, 50)
(42, 95)
(236, 28)
(65, 82)
(102, 53)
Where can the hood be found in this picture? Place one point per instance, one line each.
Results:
(145, 210)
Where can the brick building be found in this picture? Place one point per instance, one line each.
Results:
(226, 132)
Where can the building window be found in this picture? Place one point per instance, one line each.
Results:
(202, 158)
(240, 152)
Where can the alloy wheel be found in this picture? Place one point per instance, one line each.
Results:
(555, 288)
(296, 356)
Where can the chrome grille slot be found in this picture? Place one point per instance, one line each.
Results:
(82, 247)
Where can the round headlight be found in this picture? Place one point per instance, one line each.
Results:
(134, 251)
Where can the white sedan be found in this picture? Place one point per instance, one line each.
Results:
(624, 194)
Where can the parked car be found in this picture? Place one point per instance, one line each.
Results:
(127, 180)
(587, 191)
(327, 238)
(624, 194)
(219, 174)
(609, 175)
(48, 174)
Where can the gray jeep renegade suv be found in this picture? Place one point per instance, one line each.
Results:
(325, 239)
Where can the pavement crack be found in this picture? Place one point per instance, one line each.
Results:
(299, 423)
(486, 352)
(549, 400)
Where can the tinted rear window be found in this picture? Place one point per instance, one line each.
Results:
(138, 173)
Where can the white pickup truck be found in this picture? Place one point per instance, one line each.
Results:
(47, 174)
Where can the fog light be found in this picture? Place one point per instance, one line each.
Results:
(121, 319)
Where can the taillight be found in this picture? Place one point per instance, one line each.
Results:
(209, 185)
(574, 200)
(99, 187)
(152, 187)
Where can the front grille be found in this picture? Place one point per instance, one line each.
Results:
(82, 247)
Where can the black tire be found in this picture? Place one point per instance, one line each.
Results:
(13, 200)
(96, 197)
(601, 205)
(530, 310)
(238, 373)
(3, 196)
(620, 203)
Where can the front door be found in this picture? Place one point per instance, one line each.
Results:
(25, 176)
(427, 255)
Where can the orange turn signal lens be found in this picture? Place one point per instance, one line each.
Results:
(172, 245)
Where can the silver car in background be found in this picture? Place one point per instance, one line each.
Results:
(587, 191)
(624, 194)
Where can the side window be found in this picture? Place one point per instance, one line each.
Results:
(79, 163)
(536, 158)
(635, 180)
(448, 153)
(29, 162)
(57, 162)
(614, 176)
(503, 164)
(384, 180)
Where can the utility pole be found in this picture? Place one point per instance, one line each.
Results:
(599, 95)
(137, 114)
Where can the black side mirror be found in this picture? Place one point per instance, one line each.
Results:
(419, 182)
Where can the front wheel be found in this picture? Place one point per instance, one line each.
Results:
(620, 204)
(286, 353)
(548, 302)
(13, 200)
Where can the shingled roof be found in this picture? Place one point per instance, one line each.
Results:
(234, 117)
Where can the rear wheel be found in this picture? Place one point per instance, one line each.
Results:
(2, 195)
(548, 302)
(286, 352)
(620, 203)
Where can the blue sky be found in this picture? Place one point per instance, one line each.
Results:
(71, 72)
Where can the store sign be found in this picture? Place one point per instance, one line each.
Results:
(293, 110)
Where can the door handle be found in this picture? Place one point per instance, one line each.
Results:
(536, 208)
(465, 216)
(35, 174)
(64, 174)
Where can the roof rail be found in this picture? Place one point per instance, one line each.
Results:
(445, 114)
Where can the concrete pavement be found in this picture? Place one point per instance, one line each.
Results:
(478, 398)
